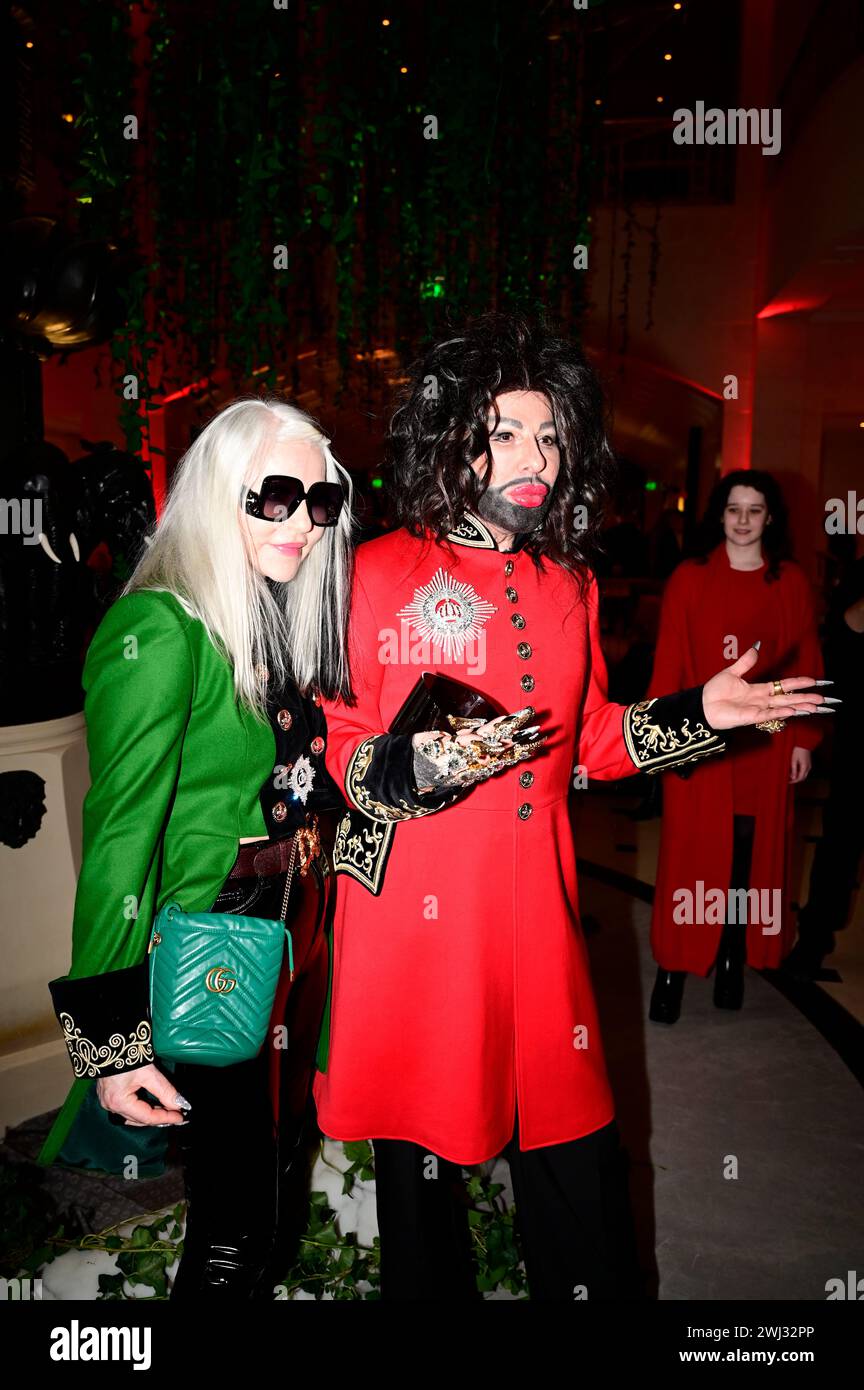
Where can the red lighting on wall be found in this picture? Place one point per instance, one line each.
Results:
(790, 306)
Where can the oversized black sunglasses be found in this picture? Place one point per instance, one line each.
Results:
(280, 496)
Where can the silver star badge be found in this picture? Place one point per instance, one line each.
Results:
(301, 779)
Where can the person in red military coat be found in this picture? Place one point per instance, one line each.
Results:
(729, 825)
(463, 1018)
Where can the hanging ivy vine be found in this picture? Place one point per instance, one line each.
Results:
(289, 190)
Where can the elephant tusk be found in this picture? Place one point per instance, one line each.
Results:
(46, 546)
(73, 541)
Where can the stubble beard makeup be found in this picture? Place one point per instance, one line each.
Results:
(494, 506)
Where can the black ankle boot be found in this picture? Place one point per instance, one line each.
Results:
(213, 1269)
(666, 996)
(230, 1180)
(729, 976)
(804, 962)
(292, 1213)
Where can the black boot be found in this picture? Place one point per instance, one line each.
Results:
(291, 1218)
(666, 996)
(815, 941)
(804, 962)
(729, 977)
(229, 1172)
(209, 1269)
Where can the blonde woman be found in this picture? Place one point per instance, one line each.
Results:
(206, 738)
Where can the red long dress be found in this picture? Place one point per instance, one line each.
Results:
(711, 614)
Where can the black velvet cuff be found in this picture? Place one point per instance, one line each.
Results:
(669, 731)
(380, 782)
(105, 1020)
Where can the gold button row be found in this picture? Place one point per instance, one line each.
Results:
(523, 650)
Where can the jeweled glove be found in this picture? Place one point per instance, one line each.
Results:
(473, 749)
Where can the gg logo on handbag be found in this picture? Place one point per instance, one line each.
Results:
(219, 980)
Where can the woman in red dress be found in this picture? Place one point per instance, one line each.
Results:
(728, 825)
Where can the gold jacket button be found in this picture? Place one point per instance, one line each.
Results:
(511, 594)
(280, 811)
(508, 568)
(525, 810)
(317, 745)
(526, 779)
(524, 650)
(527, 683)
(517, 620)
(284, 719)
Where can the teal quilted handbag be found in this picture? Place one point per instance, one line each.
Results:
(213, 979)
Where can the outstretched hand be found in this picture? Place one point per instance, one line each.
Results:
(730, 702)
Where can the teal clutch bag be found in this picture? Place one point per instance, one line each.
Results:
(213, 979)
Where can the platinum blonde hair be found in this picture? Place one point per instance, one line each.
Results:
(201, 552)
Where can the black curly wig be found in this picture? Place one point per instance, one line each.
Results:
(775, 538)
(439, 430)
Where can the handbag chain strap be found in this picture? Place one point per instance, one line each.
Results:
(283, 914)
(290, 875)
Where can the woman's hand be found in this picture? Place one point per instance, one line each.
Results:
(116, 1093)
(473, 751)
(801, 764)
(730, 703)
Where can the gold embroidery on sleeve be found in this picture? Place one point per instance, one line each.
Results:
(362, 854)
(91, 1059)
(363, 799)
(654, 746)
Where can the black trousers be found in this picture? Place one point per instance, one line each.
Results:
(573, 1218)
(242, 1151)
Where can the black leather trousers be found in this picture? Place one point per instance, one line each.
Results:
(244, 1162)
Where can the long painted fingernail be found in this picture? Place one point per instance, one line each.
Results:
(831, 700)
(182, 1102)
(823, 710)
(823, 682)
(757, 645)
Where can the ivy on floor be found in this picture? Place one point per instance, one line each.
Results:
(328, 1263)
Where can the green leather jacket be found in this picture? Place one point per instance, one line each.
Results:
(176, 768)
